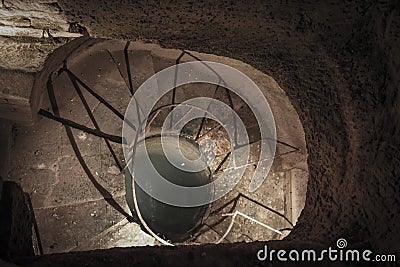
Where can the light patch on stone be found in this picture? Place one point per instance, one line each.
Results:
(82, 136)
(41, 166)
(113, 170)
(130, 235)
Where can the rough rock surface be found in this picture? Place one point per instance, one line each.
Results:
(15, 223)
(338, 61)
(30, 31)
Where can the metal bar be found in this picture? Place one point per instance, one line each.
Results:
(182, 117)
(35, 225)
(175, 81)
(69, 123)
(128, 67)
(266, 207)
(119, 70)
(106, 195)
(205, 64)
(222, 162)
(233, 115)
(231, 211)
(286, 144)
(204, 117)
(93, 119)
(148, 125)
(247, 217)
(137, 210)
(209, 131)
(200, 128)
(234, 200)
(228, 230)
(258, 161)
(102, 100)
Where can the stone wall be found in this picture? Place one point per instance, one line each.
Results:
(30, 31)
(338, 62)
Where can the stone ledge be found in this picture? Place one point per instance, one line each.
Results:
(14, 95)
(30, 34)
(22, 85)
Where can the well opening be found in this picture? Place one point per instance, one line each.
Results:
(81, 115)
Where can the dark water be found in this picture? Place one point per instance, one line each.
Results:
(170, 222)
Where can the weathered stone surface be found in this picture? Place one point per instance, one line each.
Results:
(67, 227)
(33, 14)
(338, 62)
(49, 169)
(30, 31)
(23, 78)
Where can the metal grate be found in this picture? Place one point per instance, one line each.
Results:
(197, 135)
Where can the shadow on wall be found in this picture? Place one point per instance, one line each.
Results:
(17, 224)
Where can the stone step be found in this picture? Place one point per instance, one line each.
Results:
(68, 227)
(121, 234)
